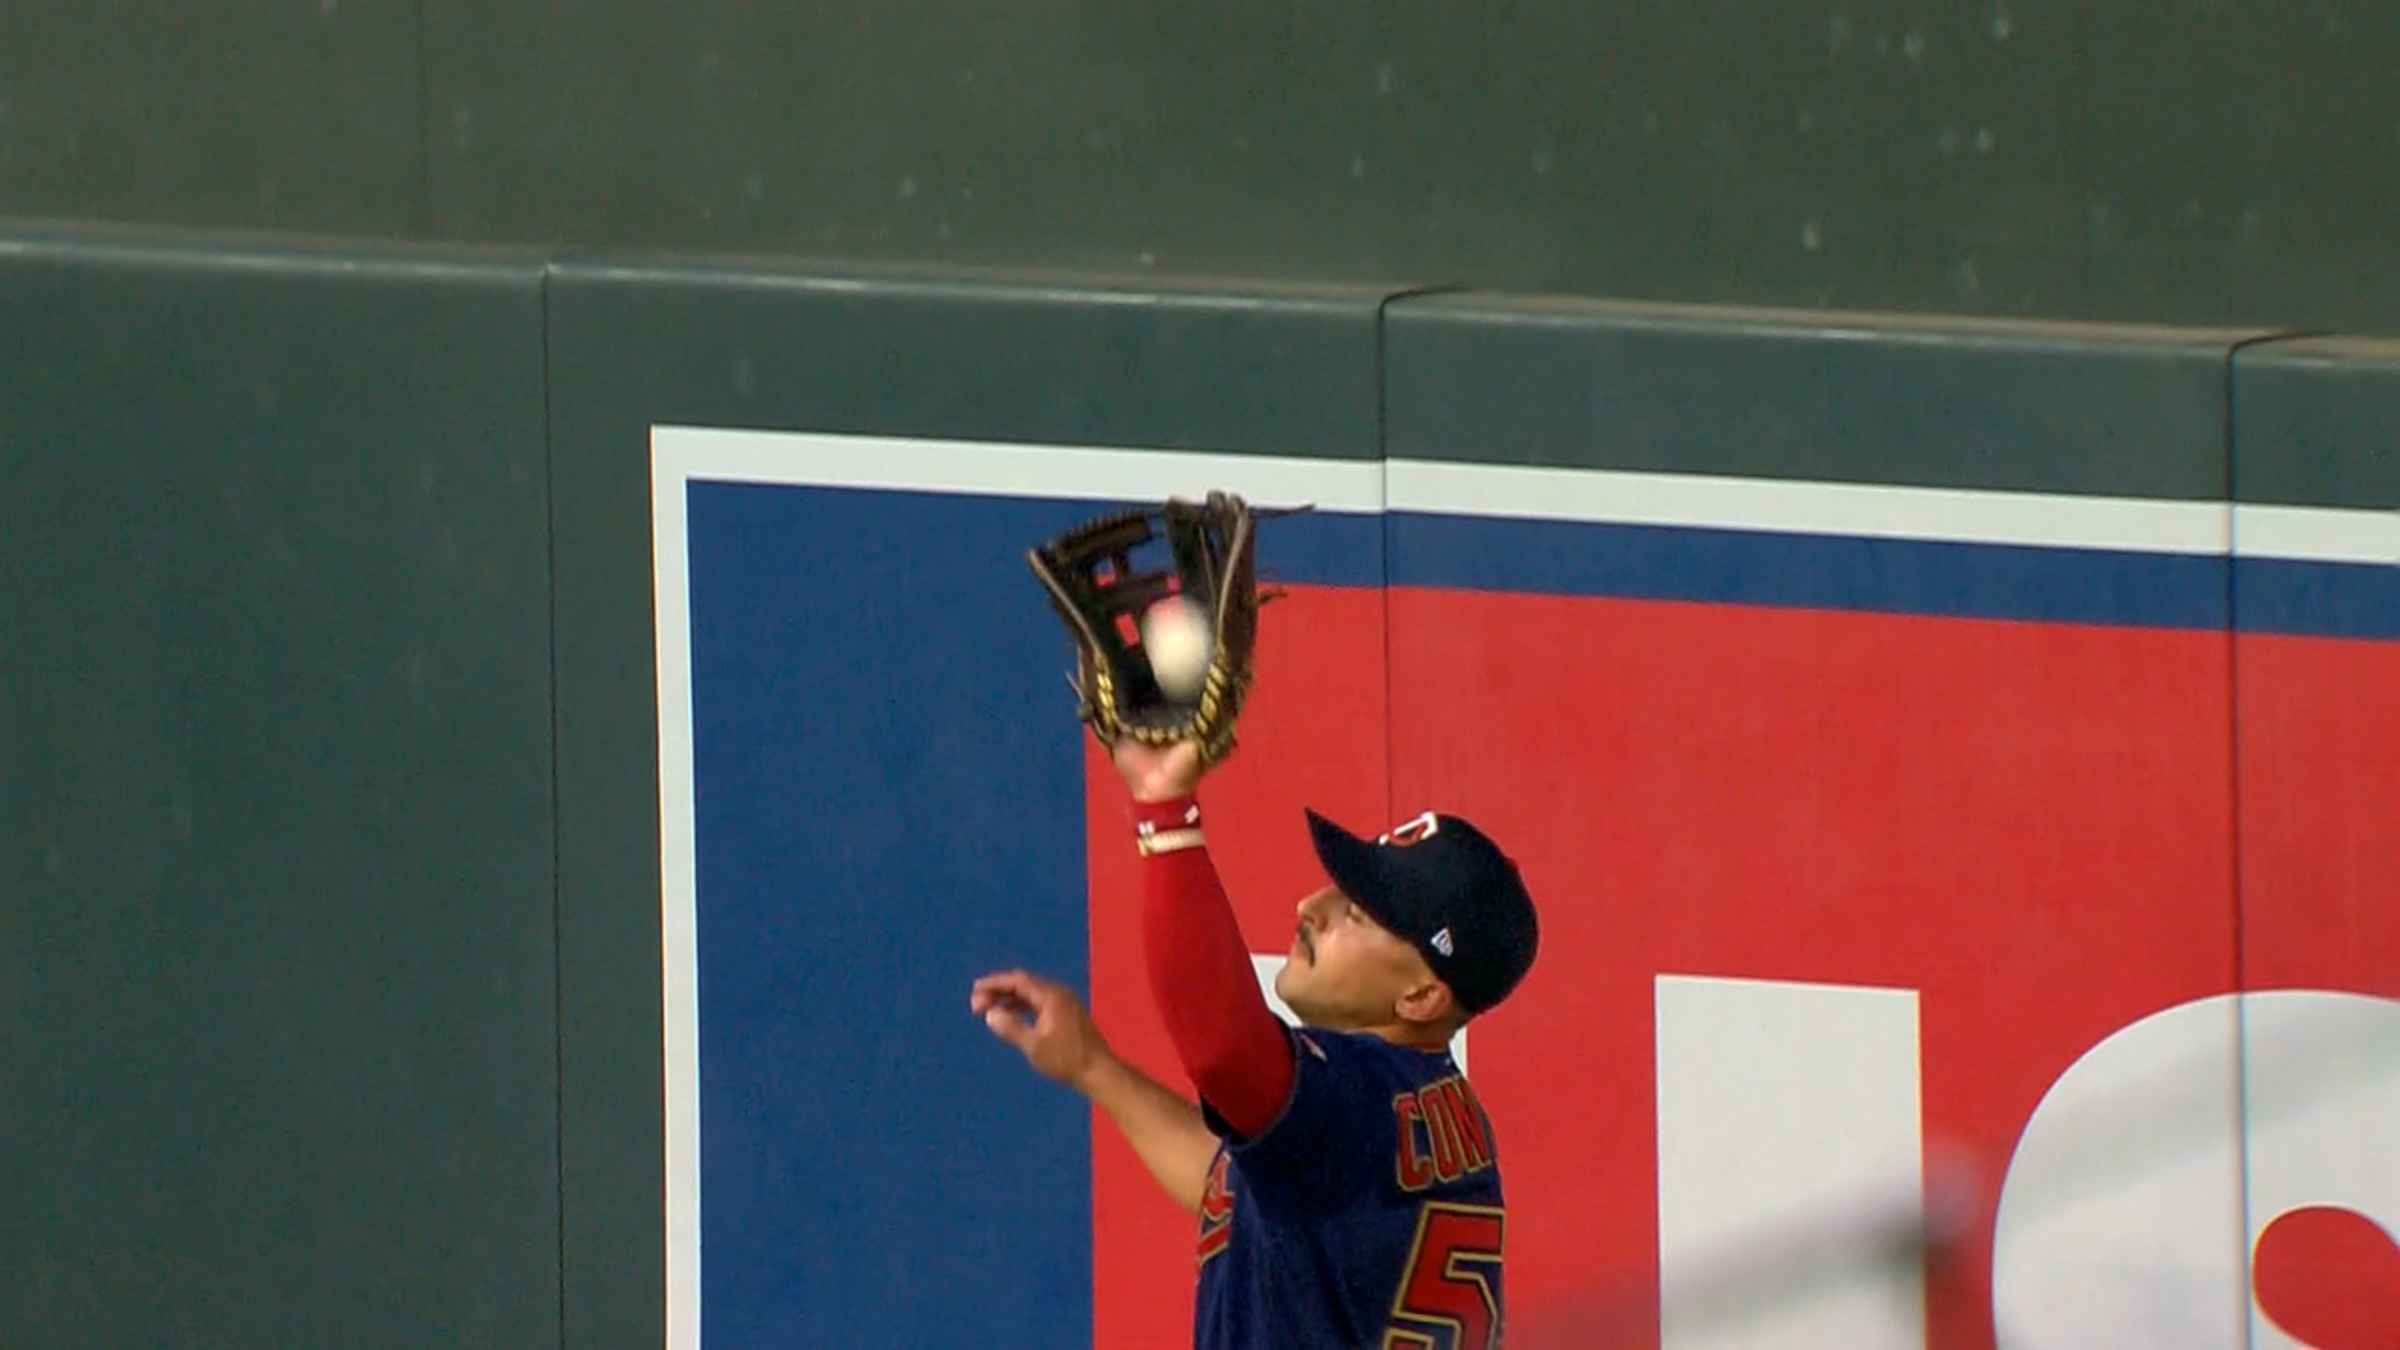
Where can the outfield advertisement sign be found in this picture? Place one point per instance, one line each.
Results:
(2003, 866)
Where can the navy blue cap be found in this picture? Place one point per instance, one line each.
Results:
(1446, 887)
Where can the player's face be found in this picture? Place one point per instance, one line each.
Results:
(1346, 971)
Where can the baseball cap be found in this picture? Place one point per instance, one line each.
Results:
(1445, 886)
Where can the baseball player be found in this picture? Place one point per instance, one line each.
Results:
(1346, 1179)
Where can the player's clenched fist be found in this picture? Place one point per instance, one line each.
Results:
(1045, 1020)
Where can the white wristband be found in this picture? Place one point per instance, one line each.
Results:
(1152, 843)
(1151, 840)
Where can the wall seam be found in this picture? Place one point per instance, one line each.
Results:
(1383, 477)
(2234, 809)
(558, 965)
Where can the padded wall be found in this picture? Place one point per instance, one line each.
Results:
(275, 831)
(1953, 746)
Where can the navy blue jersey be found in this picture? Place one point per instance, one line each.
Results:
(1368, 1215)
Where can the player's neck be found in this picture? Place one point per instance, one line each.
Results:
(1413, 1035)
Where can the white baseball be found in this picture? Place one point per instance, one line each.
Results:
(1176, 635)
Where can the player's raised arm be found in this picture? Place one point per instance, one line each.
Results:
(1200, 972)
(1162, 606)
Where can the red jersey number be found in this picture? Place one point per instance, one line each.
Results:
(1448, 1283)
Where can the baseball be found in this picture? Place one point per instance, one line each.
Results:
(1176, 635)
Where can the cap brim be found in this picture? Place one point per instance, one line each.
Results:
(1351, 864)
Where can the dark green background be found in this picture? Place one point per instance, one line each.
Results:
(2189, 161)
(2317, 423)
(277, 970)
(2117, 410)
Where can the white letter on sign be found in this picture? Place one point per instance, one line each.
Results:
(2122, 1220)
(1790, 1166)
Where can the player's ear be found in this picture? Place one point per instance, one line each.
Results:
(1428, 1002)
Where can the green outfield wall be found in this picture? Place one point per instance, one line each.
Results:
(280, 933)
(329, 800)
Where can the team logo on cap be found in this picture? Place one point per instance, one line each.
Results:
(1442, 943)
(1415, 831)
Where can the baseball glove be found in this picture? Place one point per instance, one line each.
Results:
(1101, 589)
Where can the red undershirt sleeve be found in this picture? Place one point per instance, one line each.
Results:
(1230, 1042)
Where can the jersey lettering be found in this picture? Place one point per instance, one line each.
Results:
(1447, 1163)
(1466, 1114)
(1414, 1170)
(1441, 1133)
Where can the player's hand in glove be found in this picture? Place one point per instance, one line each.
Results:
(1045, 1020)
(1141, 680)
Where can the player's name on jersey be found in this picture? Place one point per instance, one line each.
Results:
(1444, 1134)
